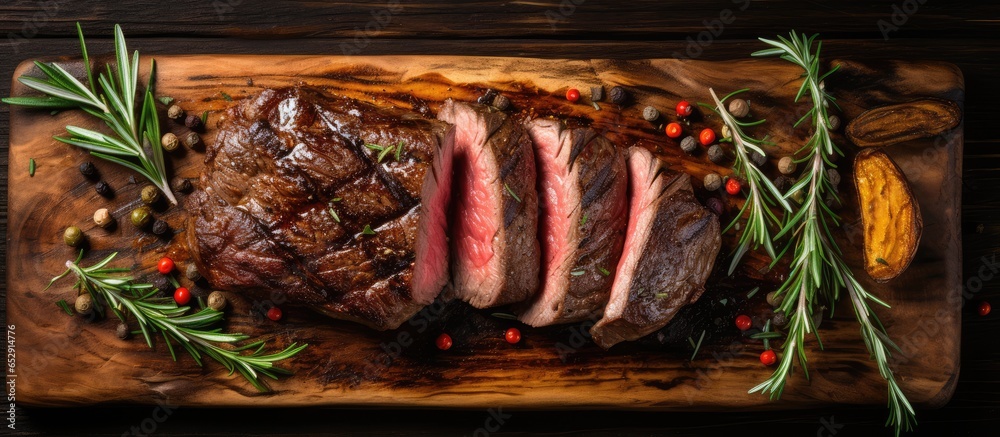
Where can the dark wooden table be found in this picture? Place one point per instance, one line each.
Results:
(966, 33)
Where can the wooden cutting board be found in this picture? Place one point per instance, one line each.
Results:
(64, 360)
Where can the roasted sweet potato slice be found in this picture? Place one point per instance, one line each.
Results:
(903, 122)
(890, 215)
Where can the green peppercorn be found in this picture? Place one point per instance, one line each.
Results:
(73, 236)
(217, 301)
(150, 195)
(84, 303)
(141, 217)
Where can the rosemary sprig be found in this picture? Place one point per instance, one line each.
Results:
(763, 194)
(817, 270)
(135, 141)
(111, 289)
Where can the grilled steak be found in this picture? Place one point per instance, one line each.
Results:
(670, 247)
(325, 201)
(583, 211)
(494, 233)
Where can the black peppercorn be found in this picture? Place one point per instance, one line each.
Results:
(596, 93)
(104, 189)
(782, 183)
(182, 186)
(122, 331)
(717, 154)
(618, 95)
(193, 122)
(162, 283)
(88, 170)
(160, 227)
(689, 144)
(759, 159)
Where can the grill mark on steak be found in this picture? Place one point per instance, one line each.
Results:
(262, 223)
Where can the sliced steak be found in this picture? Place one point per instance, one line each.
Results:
(298, 204)
(670, 247)
(583, 211)
(494, 243)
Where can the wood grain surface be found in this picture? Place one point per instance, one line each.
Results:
(83, 363)
(961, 32)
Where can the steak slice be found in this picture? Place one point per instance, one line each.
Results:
(670, 247)
(583, 211)
(293, 206)
(494, 243)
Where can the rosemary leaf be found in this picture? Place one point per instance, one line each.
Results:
(368, 230)
(697, 346)
(65, 306)
(511, 192)
(31, 167)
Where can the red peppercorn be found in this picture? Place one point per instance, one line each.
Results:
(513, 336)
(443, 342)
(573, 95)
(165, 266)
(984, 308)
(743, 322)
(684, 108)
(182, 296)
(674, 130)
(706, 137)
(733, 186)
(274, 313)
(768, 357)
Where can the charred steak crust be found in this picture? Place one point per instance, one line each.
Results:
(493, 153)
(577, 271)
(289, 190)
(673, 256)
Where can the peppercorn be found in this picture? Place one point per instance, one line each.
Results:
(122, 331)
(73, 236)
(150, 194)
(774, 299)
(103, 218)
(798, 196)
(689, 144)
(596, 93)
(175, 112)
(141, 217)
(712, 181)
(833, 176)
(733, 187)
(191, 139)
(768, 357)
(501, 102)
(193, 122)
(739, 108)
(182, 185)
(618, 95)
(715, 205)
(726, 133)
(191, 272)
(834, 122)
(160, 227)
(779, 319)
(104, 189)
(759, 159)
(782, 183)
(717, 154)
(169, 142)
(650, 114)
(163, 284)
(832, 201)
(84, 303)
(786, 165)
(88, 170)
(217, 301)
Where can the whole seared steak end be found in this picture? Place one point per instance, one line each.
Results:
(325, 201)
